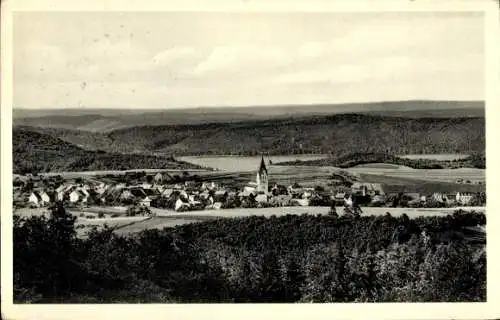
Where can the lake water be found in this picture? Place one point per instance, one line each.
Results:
(244, 163)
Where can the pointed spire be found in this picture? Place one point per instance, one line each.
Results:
(262, 164)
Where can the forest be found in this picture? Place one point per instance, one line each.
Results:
(34, 152)
(306, 258)
(476, 160)
(338, 135)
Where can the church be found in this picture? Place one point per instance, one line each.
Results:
(261, 184)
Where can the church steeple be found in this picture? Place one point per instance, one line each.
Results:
(262, 167)
(262, 177)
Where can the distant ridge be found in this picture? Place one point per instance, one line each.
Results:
(105, 120)
(337, 134)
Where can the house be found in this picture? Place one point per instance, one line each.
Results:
(339, 198)
(250, 187)
(64, 190)
(217, 205)
(262, 197)
(279, 190)
(180, 205)
(378, 199)
(220, 196)
(101, 188)
(208, 186)
(79, 195)
(450, 198)
(306, 194)
(246, 194)
(464, 198)
(411, 196)
(439, 197)
(152, 193)
(295, 189)
(145, 185)
(167, 192)
(302, 202)
(364, 189)
(281, 200)
(158, 178)
(38, 199)
(348, 201)
(145, 202)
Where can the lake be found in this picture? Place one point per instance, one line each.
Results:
(244, 163)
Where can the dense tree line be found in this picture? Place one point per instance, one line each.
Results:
(292, 258)
(35, 152)
(339, 135)
(476, 160)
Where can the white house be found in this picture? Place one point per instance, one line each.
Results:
(34, 199)
(179, 204)
(464, 198)
(158, 178)
(78, 195)
(261, 198)
(348, 202)
(146, 202)
(302, 202)
(39, 199)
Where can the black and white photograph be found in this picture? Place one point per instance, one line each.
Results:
(218, 156)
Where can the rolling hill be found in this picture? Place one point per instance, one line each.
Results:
(390, 161)
(338, 135)
(107, 120)
(36, 152)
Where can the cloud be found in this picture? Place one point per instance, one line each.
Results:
(168, 56)
(373, 58)
(240, 57)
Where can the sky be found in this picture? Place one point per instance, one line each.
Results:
(189, 59)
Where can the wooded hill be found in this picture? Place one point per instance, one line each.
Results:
(36, 152)
(354, 159)
(339, 135)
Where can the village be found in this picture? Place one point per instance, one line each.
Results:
(187, 193)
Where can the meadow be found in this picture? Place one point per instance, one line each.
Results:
(439, 157)
(244, 163)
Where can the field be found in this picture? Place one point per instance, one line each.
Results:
(442, 175)
(243, 163)
(168, 218)
(440, 157)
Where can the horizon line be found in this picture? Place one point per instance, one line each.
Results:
(241, 106)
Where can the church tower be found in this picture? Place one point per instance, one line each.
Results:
(262, 178)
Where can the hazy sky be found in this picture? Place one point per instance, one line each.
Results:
(160, 60)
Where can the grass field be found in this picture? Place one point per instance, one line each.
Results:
(440, 157)
(168, 218)
(244, 163)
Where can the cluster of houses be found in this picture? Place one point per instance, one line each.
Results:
(193, 195)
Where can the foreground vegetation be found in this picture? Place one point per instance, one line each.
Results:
(302, 258)
(477, 160)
